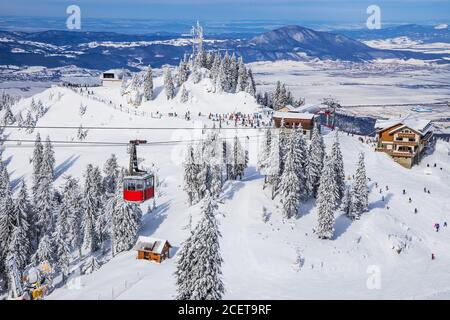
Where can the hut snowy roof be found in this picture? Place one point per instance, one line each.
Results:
(154, 245)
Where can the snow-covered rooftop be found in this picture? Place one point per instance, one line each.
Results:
(420, 125)
(156, 245)
(118, 73)
(293, 115)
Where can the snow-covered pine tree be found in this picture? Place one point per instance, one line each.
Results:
(273, 168)
(19, 246)
(124, 85)
(25, 231)
(196, 74)
(19, 119)
(276, 96)
(111, 171)
(38, 155)
(33, 106)
(283, 140)
(216, 177)
(300, 156)
(125, 224)
(40, 109)
(184, 97)
(326, 201)
(215, 69)
(45, 205)
(227, 158)
(338, 164)
(183, 71)
(7, 217)
(135, 96)
(91, 210)
(264, 153)
(48, 160)
(251, 87)
(221, 83)
(169, 87)
(283, 99)
(204, 178)
(346, 204)
(233, 75)
(226, 73)
(46, 251)
(72, 204)
(62, 257)
(190, 177)
(91, 265)
(29, 123)
(148, 84)
(239, 162)
(360, 192)
(315, 161)
(209, 60)
(8, 117)
(289, 186)
(242, 76)
(199, 275)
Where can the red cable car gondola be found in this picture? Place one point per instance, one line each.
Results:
(138, 185)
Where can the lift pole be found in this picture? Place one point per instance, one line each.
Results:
(133, 165)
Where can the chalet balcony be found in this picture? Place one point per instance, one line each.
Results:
(406, 143)
(395, 153)
(406, 135)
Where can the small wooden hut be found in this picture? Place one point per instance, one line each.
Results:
(152, 249)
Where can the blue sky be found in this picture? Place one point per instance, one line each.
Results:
(352, 11)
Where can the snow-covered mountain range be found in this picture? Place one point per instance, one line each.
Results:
(104, 50)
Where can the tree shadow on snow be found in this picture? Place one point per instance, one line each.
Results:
(341, 225)
(157, 91)
(306, 208)
(8, 161)
(230, 189)
(380, 203)
(65, 165)
(252, 174)
(16, 183)
(173, 251)
(152, 220)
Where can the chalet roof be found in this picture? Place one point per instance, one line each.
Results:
(156, 245)
(288, 108)
(421, 126)
(293, 115)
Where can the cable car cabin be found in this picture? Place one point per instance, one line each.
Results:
(138, 188)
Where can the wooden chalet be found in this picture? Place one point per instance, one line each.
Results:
(292, 117)
(404, 141)
(152, 249)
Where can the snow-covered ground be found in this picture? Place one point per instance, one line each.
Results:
(278, 259)
(384, 88)
(405, 43)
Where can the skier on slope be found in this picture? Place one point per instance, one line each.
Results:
(436, 226)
